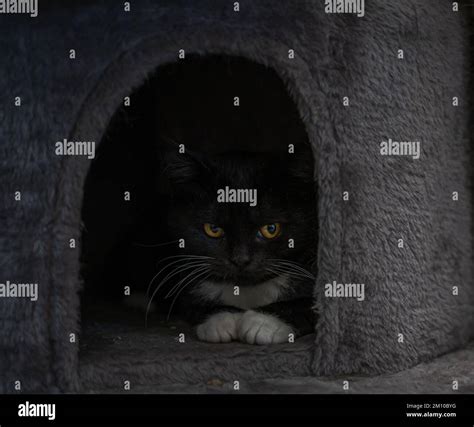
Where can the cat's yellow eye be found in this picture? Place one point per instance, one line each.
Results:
(213, 230)
(270, 231)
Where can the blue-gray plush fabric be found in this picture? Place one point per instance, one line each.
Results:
(434, 377)
(408, 291)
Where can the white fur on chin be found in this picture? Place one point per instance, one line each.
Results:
(249, 296)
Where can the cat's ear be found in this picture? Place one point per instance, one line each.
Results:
(179, 165)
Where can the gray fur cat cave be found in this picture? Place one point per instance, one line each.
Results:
(399, 224)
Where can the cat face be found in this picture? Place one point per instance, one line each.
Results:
(242, 241)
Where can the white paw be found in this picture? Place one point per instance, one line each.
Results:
(260, 328)
(220, 327)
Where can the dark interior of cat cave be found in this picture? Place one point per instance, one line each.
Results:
(215, 104)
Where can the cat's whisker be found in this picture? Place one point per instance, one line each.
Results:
(195, 271)
(182, 289)
(182, 264)
(164, 268)
(182, 256)
(294, 273)
(290, 263)
(287, 261)
(159, 272)
(276, 273)
(301, 270)
(292, 266)
(176, 271)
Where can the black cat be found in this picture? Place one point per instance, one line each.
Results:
(243, 271)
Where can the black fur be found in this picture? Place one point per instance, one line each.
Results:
(286, 194)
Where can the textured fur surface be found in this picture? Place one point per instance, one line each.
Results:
(408, 290)
(430, 377)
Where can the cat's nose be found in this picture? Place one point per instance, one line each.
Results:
(241, 260)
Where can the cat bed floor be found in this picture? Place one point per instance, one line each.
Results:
(116, 347)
